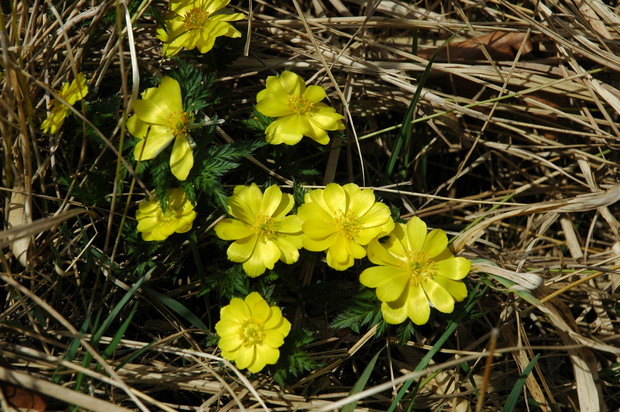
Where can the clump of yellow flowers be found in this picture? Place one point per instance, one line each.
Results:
(192, 24)
(251, 332)
(415, 269)
(70, 93)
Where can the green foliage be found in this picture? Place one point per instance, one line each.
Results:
(294, 360)
(196, 86)
(229, 283)
(217, 162)
(258, 122)
(363, 311)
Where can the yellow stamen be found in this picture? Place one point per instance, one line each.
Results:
(195, 18)
(252, 333)
(347, 225)
(420, 267)
(179, 122)
(266, 226)
(300, 105)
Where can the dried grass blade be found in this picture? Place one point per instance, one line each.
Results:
(8, 236)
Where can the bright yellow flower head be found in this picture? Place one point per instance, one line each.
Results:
(158, 120)
(262, 232)
(71, 93)
(251, 332)
(299, 110)
(415, 268)
(155, 224)
(196, 24)
(342, 220)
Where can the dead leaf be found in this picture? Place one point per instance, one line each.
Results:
(499, 45)
(23, 399)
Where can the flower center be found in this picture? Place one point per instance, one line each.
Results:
(266, 226)
(252, 333)
(179, 122)
(300, 105)
(420, 267)
(347, 225)
(195, 18)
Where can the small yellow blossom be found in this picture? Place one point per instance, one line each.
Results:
(71, 93)
(298, 109)
(262, 232)
(158, 120)
(415, 268)
(196, 24)
(155, 224)
(342, 220)
(251, 332)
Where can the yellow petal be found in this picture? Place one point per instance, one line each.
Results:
(288, 129)
(290, 224)
(271, 201)
(415, 234)
(242, 249)
(418, 309)
(378, 276)
(316, 133)
(455, 268)
(158, 103)
(436, 242)
(182, 158)
(254, 266)
(272, 106)
(155, 142)
(439, 297)
(232, 229)
(268, 251)
(379, 252)
(457, 289)
(267, 354)
(336, 199)
(258, 307)
(245, 357)
(317, 245)
(251, 196)
(291, 83)
(236, 310)
(314, 93)
(393, 314)
(360, 200)
(230, 344)
(289, 253)
(393, 288)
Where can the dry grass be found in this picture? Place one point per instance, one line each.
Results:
(514, 145)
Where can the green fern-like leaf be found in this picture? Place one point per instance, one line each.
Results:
(293, 359)
(196, 87)
(364, 310)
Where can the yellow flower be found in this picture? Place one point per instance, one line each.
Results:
(196, 24)
(415, 267)
(71, 93)
(155, 224)
(251, 332)
(298, 108)
(158, 120)
(342, 220)
(262, 232)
